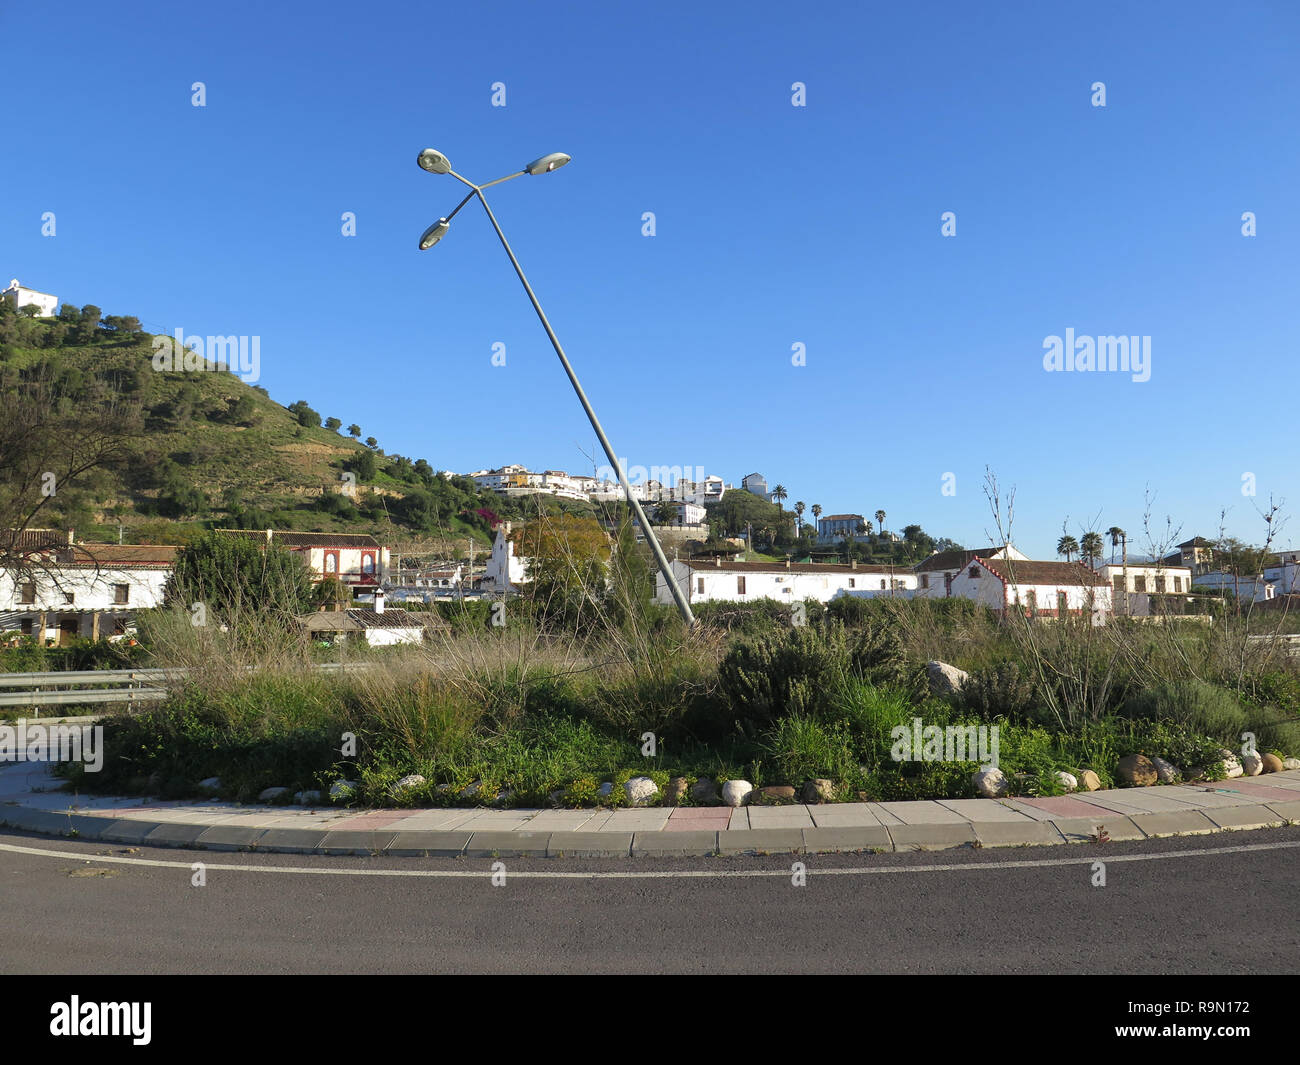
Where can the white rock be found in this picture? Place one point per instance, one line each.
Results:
(1232, 767)
(342, 789)
(991, 783)
(411, 780)
(1166, 771)
(735, 792)
(640, 790)
(1068, 781)
(1291, 763)
(210, 784)
(1252, 764)
(271, 794)
(306, 798)
(945, 679)
(605, 790)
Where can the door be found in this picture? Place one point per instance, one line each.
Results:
(69, 630)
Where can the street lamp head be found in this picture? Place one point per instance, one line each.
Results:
(434, 234)
(547, 163)
(434, 162)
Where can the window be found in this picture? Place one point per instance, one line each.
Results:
(25, 626)
(1118, 582)
(925, 580)
(882, 582)
(974, 573)
(67, 599)
(1160, 584)
(853, 582)
(740, 585)
(367, 565)
(1178, 584)
(1139, 584)
(788, 591)
(699, 585)
(331, 561)
(27, 593)
(1062, 603)
(121, 594)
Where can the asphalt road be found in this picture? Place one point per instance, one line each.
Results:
(1214, 904)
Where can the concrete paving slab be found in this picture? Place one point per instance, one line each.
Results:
(1034, 813)
(1243, 817)
(1199, 799)
(434, 844)
(923, 813)
(1016, 833)
(229, 837)
(932, 837)
(357, 842)
(762, 841)
(780, 817)
(497, 844)
(883, 816)
(175, 835)
(291, 840)
(560, 820)
(589, 845)
(1255, 789)
(128, 831)
(54, 823)
(847, 815)
(835, 839)
(686, 813)
(638, 820)
(1063, 806)
(1144, 800)
(1083, 829)
(738, 819)
(1184, 823)
(680, 843)
(1289, 810)
(983, 810)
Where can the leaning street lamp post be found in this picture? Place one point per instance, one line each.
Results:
(436, 163)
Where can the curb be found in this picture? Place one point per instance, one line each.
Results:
(621, 844)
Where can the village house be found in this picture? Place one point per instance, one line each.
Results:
(717, 580)
(834, 527)
(1280, 578)
(355, 559)
(934, 574)
(70, 590)
(505, 569)
(381, 626)
(1040, 589)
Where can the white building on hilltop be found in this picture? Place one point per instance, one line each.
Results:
(20, 297)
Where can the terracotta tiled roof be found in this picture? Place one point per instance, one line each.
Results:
(954, 560)
(118, 556)
(1027, 572)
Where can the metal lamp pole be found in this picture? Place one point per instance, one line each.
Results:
(436, 163)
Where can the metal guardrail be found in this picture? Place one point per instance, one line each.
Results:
(75, 687)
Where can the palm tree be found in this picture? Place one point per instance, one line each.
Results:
(799, 508)
(816, 511)
(864, 527)
(1116, 534)
(1091, 547)
(778, 495)
(1067, 545)
(880, 521)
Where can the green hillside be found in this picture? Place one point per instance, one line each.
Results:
(203, 449)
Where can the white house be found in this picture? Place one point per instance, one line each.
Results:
(832, 527)
(380, 627)
(84, 590)
(715, 580)
(20, 297)
(1147, 577)
(755, 483)
(355, 559)
(1281, 578)
(934, 573)
(1043, 589)
(504, 568)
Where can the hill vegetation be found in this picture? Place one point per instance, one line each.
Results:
(198, 449)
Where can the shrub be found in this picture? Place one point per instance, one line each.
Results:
(1194, 704)
(766, 677)
(1005, 689)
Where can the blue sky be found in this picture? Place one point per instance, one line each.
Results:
(775, 225)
